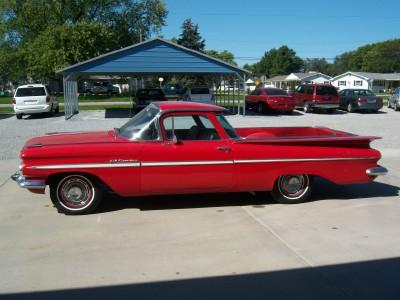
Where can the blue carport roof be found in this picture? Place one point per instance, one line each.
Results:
(155, 56)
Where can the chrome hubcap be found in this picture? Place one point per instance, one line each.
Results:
(75, 192)
(293, 186)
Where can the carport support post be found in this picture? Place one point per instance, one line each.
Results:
(244, 95)
(70, 95)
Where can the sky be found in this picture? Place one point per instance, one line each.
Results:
(314, 29)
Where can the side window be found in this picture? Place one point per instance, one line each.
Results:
(300, 89)
(190, 128)
(310, 90)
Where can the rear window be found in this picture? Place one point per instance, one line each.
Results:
(275, 92)
(196, 91)
(323, 90)
(30, 91)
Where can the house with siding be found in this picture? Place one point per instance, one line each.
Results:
(377, 82)
(291, 81)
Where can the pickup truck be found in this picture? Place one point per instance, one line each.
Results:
(173, 147)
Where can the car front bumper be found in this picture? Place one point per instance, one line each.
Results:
(31, 184)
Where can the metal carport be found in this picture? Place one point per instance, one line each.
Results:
(154, 57)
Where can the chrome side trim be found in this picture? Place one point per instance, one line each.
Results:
(88, 166)
(253, 161)
(126, 164)
(377, 171)
(187, 163)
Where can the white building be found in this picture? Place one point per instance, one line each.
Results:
(291, 81)
(377, 82)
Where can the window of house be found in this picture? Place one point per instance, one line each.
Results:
(357, 82)
(342, 83)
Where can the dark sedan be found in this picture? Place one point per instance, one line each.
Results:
(146, 96)
(358, 99)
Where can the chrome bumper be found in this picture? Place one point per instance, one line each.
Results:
(28, 184)
(377, 171)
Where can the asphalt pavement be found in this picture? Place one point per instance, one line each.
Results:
(344, 244)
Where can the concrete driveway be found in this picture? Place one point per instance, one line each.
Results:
(342, 245)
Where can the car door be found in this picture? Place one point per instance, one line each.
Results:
(193, 157)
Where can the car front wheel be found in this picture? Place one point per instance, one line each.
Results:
(19, 116)
(292, 189)
(75, 194)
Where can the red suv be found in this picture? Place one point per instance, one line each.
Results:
(316, 96)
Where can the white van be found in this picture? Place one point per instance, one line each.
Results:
(34, 98)
(199, 94)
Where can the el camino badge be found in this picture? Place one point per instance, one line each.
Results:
(122, 161)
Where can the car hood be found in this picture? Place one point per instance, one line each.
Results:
(72, 138)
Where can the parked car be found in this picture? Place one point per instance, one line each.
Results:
(146, 96)
(270, 99)
(199, 94)
(394, 99)
(316, 96)
(103, 88)
(178, 147)
(173, 91)
(34, 98)
(359, 99)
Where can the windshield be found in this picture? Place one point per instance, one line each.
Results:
(142, 126)
(276, 92)
(323, 90)
(363, 93)
(199, 91)
(228, 128)
(30, 91)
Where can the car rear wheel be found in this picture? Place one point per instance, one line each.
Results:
(75, 194)
(307, 108)
(350, 108)
(292, 189)
(260, 108)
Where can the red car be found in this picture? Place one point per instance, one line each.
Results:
(270, 99)
(185, 147)
(316, 96)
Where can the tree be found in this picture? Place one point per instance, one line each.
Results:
(317, 65)
(50, 34)
(190, 36)
(223, 55)
(278, 61)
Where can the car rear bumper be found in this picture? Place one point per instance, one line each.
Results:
(376, 171)
(31, 184)
(324, 105)
(281, 106)
(32, 109)
(369, 106)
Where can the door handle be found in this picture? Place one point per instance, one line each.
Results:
(224, 148)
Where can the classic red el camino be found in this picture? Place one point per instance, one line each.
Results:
(184, 148)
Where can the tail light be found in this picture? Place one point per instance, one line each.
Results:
(14, 101)
(47, 98)
(362, 100)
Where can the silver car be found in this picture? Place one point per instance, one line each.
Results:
(394, 99)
